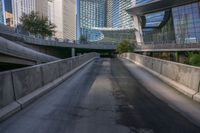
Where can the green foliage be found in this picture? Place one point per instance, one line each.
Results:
(124, 47)
(35, 24)
(193, 59)
(83, 39)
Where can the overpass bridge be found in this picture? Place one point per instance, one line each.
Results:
(11, 52)
(88, 94)
(27, 50)
(59, 48)
(10, 34)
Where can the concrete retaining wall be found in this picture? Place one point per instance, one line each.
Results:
(65, 66)
(183, 77)
(17, 84)
(6, 89)
(27, 80)
(50, 72)
(11, 48)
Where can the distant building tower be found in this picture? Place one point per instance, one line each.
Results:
(63, 14)
(8, 6)
(91, 13)
(98, 19)
(51, 11)
(8, 13)
(109, 13)
(9, 19)
(26, 6)
(2, 12)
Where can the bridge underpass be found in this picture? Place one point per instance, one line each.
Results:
(107, 97)
(59, 49)
(10, 66)
(12, 52)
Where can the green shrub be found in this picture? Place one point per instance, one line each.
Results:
(83, 39)
(193, 59)
(124, 47)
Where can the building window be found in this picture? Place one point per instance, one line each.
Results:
(187, 23)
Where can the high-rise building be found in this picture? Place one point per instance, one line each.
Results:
(8, 6)
(9, 19)
(26, 6)
(98, 19)
(8, 13)
(60, 12)
(176, 22)
(2, 12)
(120, 18)
(51, 11)
(91, 13)
(63, 14)
(166, 29)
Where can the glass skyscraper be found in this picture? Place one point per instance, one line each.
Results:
(186, 21)
(92, 13)
(2, 12)
(178, 23)
(142, 2)
(99, 14)
(120, 18)
(8, 6)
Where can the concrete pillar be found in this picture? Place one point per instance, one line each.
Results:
(73, 52)
(177, 56)
(138, 32)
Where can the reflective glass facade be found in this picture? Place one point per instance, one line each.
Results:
(100, 14)
(120, 18)
(142, 2)
(92, 13)
(8, 5)
(187, 23)
(2, 12)
(179, 24)
(154, 19)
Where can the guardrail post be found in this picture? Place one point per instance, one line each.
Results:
(73, 52)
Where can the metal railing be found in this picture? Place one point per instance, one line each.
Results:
(166, 46)
(59, 42)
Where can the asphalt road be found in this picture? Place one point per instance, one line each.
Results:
(101, 98)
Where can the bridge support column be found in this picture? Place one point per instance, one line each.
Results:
(73, 52)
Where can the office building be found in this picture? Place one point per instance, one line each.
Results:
(91, 13)
(167, 27)
(9, 19)
(60, 12)
(26, 6)
(63, 14)
(8, 13)
(104, 20)
(8, 6)
(2, 12)
(178, 22)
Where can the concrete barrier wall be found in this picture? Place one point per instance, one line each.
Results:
(26, 80)
(182, 74)
(19, 83)
(65, 66)
(6, 89)
(12, 48)
(50, 72)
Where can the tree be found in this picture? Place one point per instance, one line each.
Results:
(83, 39)
(124, 47)
(35, 24)
(193, 59)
